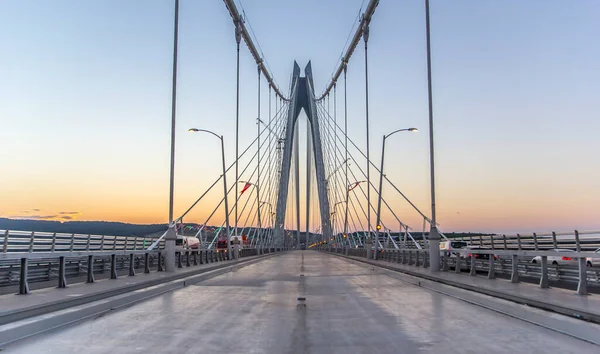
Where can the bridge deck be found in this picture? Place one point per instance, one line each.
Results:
(350, 308)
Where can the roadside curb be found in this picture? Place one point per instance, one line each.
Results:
(32, 311)
(554, 307)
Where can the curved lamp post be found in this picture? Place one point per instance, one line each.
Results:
(195, 130)
(378, 227)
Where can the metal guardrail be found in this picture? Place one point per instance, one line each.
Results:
(36, 257)
(582, 240)
(39, 242)
(514, 263)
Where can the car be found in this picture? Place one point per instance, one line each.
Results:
(452, 245)
(484, 256)
(593, 261)
(560, 259)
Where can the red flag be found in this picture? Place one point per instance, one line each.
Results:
(354, 186)
(248, 184)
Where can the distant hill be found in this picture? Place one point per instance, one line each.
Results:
(124, 229)
(82, 227)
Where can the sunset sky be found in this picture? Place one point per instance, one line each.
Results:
(86, 104)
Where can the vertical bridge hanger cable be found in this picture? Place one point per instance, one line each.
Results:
(237, 19)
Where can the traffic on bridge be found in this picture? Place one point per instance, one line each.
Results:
(163, 190)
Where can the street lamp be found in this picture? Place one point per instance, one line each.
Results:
(195, 130)
(381, 184)
(268, 128)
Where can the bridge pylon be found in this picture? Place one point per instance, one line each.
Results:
(302, 96)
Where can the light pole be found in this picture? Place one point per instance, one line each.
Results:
(194, 130)
(171, 236)
(334, 213)
(434, 236)
(270, 213)
(258, 201)
(351, 186)
(378, 227)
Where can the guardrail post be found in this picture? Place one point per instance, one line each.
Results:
(519, 241)
(160, 263)
(87, 245)
(5, 245)
(504, 240)
(31, 238)
(445, 262)
(23, 284)
(544, 276)
(187, 259)
(473, 265)
(90, 269)
(102, 243)
(126, 242)
(582, 285)
(72, 242)
(131, 265)
(492, 267)
(457, 263)
(417, 263)
(113, 266)
(178, 255)
(410, 261)
(554, 239)
(62, 277)
(535, 241)
(577, 243)
(146, 262)
(514, 276)
(195, 254)
(135, 242)
(202, 256)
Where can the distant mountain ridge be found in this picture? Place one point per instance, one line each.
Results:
(82, 227)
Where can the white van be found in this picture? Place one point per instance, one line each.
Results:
(452, 245)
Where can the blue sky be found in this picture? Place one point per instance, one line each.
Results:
(85, 115)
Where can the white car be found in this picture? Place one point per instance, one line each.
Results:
(562, 259)
(593, 261)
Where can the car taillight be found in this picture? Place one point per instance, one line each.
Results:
(566, 258)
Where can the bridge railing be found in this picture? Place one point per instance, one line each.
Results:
(514, 264)
(14, 241)
(583, 240)
(29, 257)
(530, 256)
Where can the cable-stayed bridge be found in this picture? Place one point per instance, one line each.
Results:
(302, 260)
